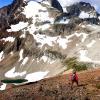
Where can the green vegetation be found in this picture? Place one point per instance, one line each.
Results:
(72, 63)
(13, 80)
(55, 54)
(98, 86)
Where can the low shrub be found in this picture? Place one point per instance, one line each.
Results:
(72, 63)
(98, 86)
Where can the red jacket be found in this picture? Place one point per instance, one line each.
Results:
(70, 77)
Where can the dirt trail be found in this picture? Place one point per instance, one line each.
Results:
(57, 88)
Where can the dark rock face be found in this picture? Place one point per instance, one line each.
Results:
(76, 9)
(11, 15)
(56, 4)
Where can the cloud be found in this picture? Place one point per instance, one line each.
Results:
(67, 2)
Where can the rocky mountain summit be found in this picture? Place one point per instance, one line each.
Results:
(36, 37)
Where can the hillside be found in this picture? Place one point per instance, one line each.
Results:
(57, 88)
(36, 40)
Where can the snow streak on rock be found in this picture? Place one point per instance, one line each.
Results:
(83, 34)
(86, 15)
(10, 39)
(21, 54)
(1, 55)
(18, 26)
(51, 41)
(83, 56)
(25, 60)
(91, 44)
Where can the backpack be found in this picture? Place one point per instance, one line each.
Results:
(73, 76)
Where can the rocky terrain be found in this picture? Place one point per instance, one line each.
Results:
(57, 88)
(37, 37)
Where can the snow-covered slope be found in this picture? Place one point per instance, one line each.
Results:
(39, 37)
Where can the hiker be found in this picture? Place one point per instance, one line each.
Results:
(73, 78)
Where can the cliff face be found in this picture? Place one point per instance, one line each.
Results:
(38, 36)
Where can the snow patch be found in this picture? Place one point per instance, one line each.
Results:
(3, 87)
(12, 74)
(45, 2)
(83, 56)
(21, 54)
(63, 42)
(36, 76)
(44, 39)
(99, 17)
(38, 14)
(1, 55)
(18, 26)
(47, 59)
(66, 21)
(44, 27)
(10, 39)
(84, 14)
(44, 58)
(84, 36)
(91, 44)
(23, 36)
(39, 10)
(25, 60)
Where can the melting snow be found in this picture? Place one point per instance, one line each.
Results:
(36, 76)
(47, 59)
(23, 36)
(43, 39)
(3, 87)
(63, 42)
(99, 17)
(18, 26)
(38, 9)
(44, 27)
(83, 56)
(84, 36)
(91, 44)
(38, 14)
(1, 55)
(45, 2)
(44, 58)
(86, 15)
(11, 53)
(10, 39)
(21, 54)
(25, 61)
(64, 21)
(11, 73)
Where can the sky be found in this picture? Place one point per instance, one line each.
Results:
(95, 3)
(5, 2)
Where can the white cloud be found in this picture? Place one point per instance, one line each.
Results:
(67, 2)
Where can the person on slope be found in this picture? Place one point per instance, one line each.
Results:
(73, 78)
